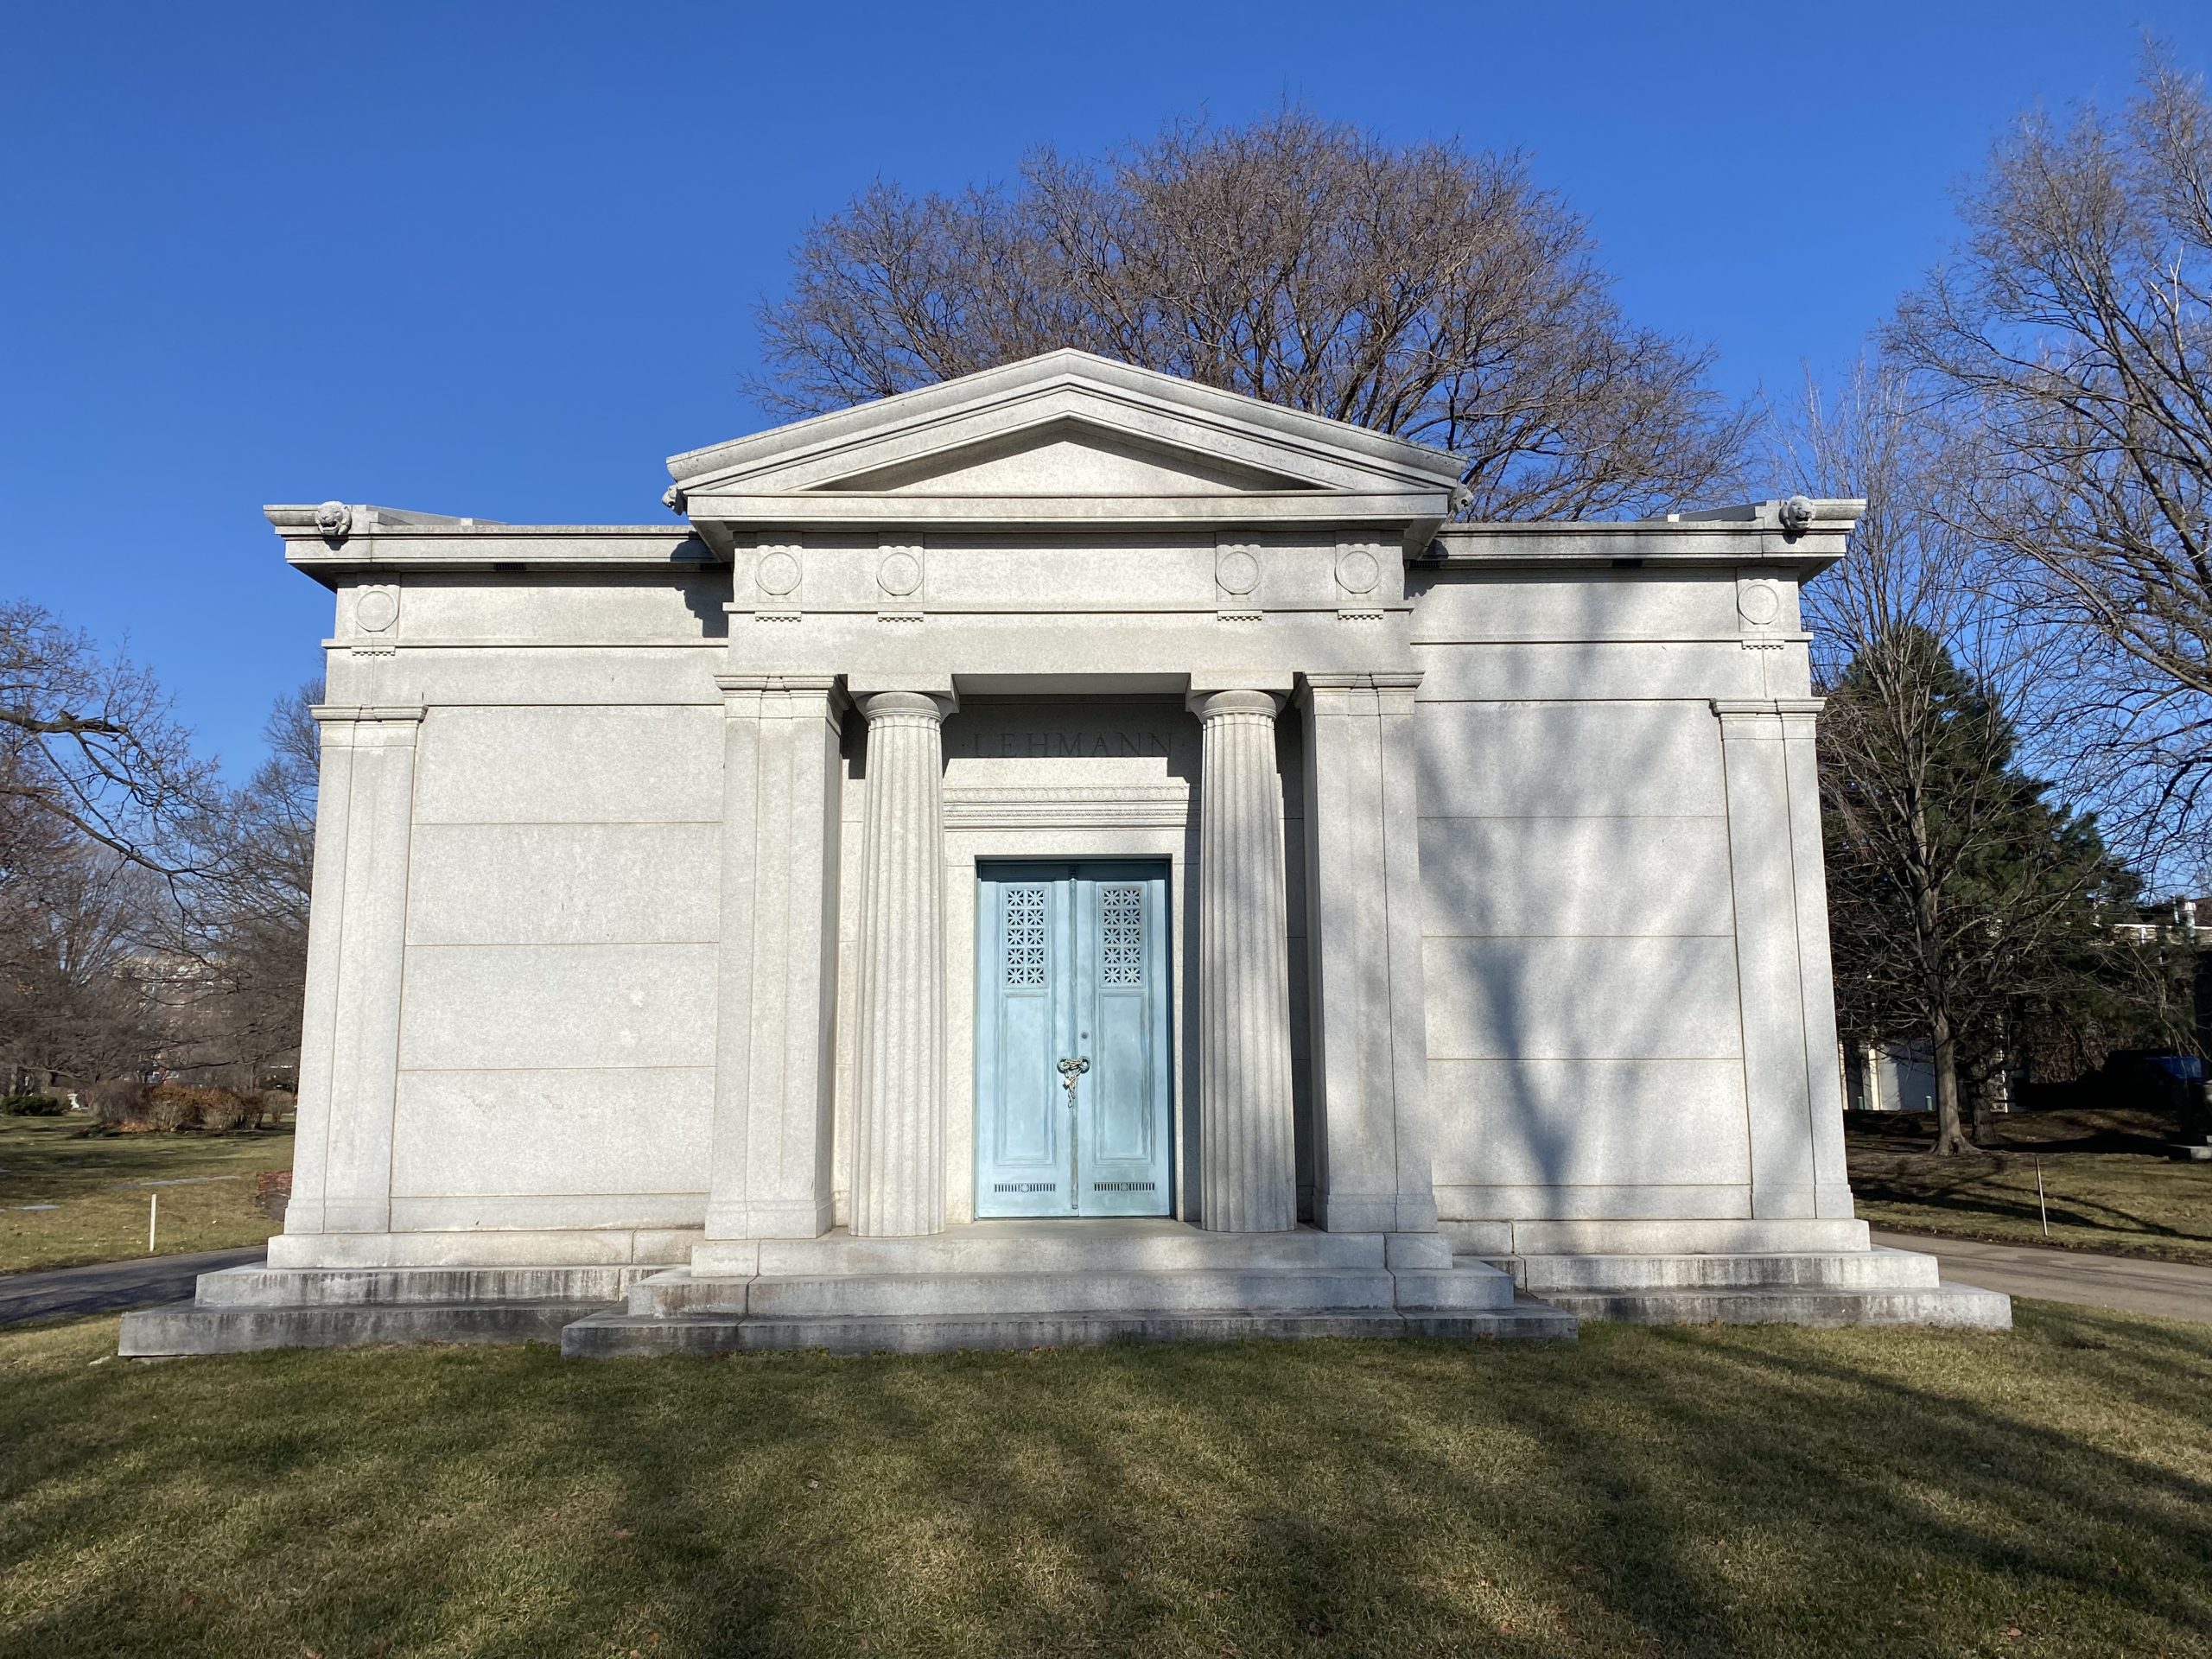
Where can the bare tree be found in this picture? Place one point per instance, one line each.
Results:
(246, 910)
(74, 1001)
(1427, 291)
(1958, 893)
(88, 739)
(2073, 335)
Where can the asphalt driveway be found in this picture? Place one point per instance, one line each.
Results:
(112, 1287)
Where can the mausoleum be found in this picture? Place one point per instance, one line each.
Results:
(1063, 852)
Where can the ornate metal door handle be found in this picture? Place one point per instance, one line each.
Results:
(1070, 1070)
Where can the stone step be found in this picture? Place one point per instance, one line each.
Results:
(189, 1328)
(1092, 1291)
(1875, 1269)
(1656, 1237)
(1135, 1246)
(1464, 1287)
(614, 1334)
(262, 1287)
(1943, 1304)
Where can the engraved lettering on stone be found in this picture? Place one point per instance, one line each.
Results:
(1063, 746)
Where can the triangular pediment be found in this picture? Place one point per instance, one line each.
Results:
(1065, 434)
(1068, 457)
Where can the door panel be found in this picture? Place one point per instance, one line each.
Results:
(1072, 987)
(1123, 1134)
(1021, 1129)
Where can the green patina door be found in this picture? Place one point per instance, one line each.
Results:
(1072, 1091)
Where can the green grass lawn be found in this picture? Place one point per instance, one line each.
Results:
(2105, 1178)
(95, 1184)
(1705, 1492)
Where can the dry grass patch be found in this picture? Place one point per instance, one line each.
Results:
(68, 1196)
(2106, 1179)
(1705, 1492)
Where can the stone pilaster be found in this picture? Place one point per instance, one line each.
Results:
(897, 1170)
(1370, 1049)
(770, 1173)
(357, 943)
(1815, 969)
(1248, 1179)
(1785, 985)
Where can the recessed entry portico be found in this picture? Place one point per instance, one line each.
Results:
(1073, 1074)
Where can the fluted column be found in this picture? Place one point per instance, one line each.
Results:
(1247, 1175)
(898, 1171)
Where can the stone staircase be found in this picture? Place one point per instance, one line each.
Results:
(242, 1309)
(1819, 1287)
(1036, 1284)
(1022, 1284)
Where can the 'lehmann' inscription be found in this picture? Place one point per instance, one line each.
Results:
(1060, 746)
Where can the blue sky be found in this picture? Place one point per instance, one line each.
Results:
(501, 260)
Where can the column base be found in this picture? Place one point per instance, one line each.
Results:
(1385, 1212)
(783, 1218)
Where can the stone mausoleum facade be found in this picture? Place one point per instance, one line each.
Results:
(1063, 852)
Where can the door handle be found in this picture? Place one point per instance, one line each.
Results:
(1070, 1070)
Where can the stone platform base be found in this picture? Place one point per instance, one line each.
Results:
(617, 1335)
(1041, 1284)
(1013, 1284)
(1862, 1287)
(990, 1285)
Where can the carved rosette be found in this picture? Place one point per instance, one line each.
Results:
(1236, 574)
(1248, 1176)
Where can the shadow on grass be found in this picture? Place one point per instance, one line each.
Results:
(2071, 1212)
(1698, 1491)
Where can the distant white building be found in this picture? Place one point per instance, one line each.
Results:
(1064, 852)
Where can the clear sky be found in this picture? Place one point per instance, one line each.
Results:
(502, 260)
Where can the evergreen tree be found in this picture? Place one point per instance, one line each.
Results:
(1969, 912)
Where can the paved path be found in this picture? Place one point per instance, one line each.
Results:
(111, 1287)
(2174, 1290)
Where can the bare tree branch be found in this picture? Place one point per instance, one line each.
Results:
(1424, 291)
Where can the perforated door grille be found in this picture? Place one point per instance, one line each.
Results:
(1025, 935)
(1122, 915)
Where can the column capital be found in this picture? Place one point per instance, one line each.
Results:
(929, 705)
(1212, 705)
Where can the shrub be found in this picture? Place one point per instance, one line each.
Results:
(188, 1106)
(119, 1102)
(31, 1106)
(225, 1111)
(172, 1106)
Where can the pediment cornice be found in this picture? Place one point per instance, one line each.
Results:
(1065, 439)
